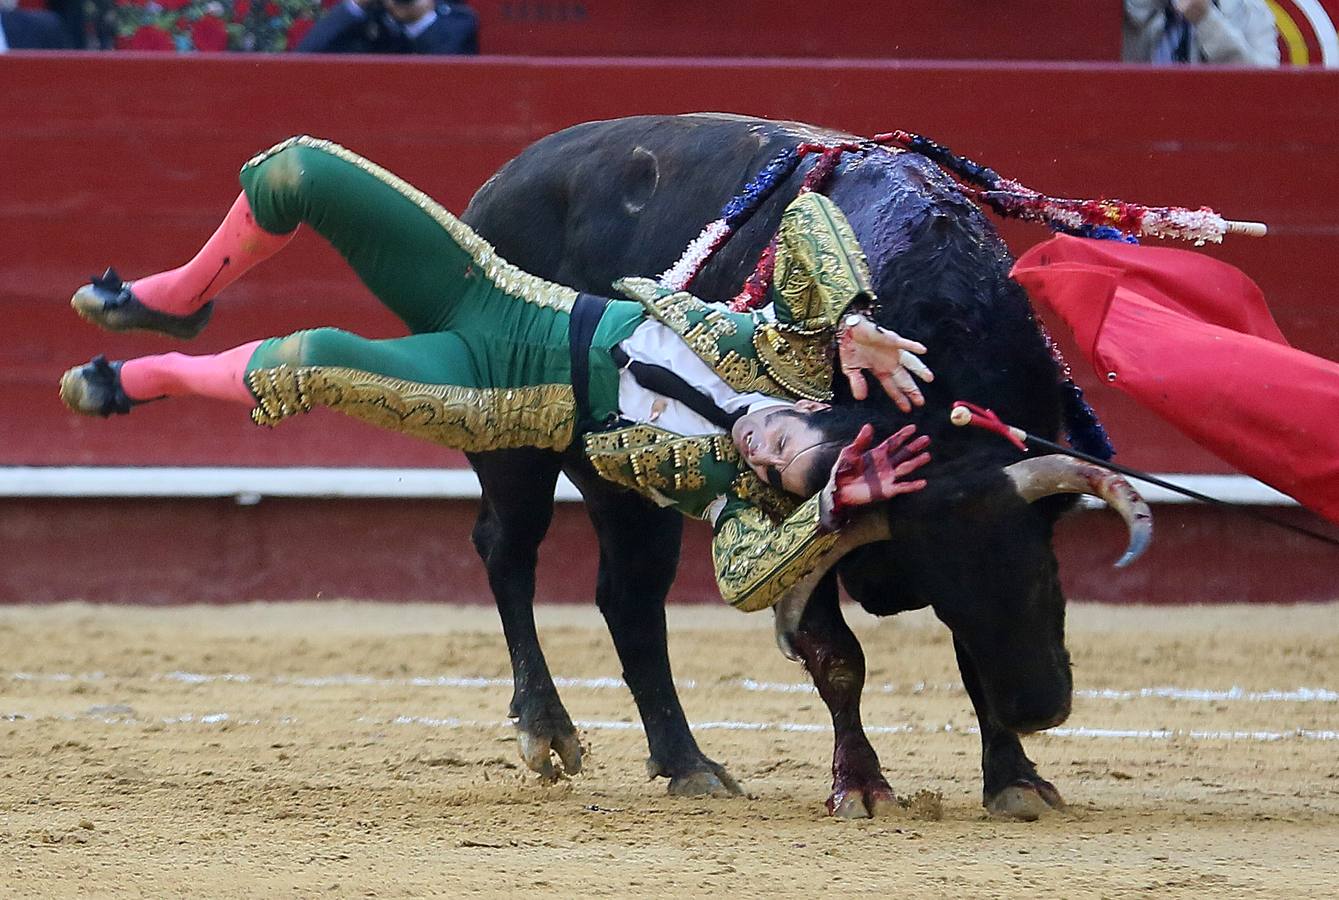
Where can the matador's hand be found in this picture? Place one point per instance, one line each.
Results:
(863, 476)
(890, 357)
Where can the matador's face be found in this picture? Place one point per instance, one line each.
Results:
(780, 445)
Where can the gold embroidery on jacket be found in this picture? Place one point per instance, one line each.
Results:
(757, 560)
(746, 375)
(688, 456)
(756, 492)
(798, 360)
(470, 419)
(508, 278)
(635, 456)
(674, 309)
(820, 266)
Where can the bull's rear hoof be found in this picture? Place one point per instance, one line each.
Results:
(711, 782)
(1025, 802)
(537, 752)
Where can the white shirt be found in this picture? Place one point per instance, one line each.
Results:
(658, 344)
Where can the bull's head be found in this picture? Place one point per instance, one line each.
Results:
(980, 554)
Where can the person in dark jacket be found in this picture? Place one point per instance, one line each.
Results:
(31, 29)
(394, 26)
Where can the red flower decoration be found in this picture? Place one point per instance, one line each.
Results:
(150, 38)
(182, 24)
(172, 5)
(299, 29)
(210, 34)
(240, 10)
(271, 9)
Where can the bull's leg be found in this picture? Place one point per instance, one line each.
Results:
(1012, 787)
(639, 553)
(513, 519)
(836, 663)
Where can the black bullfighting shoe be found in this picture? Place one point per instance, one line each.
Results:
(108, 302)
(95, 389)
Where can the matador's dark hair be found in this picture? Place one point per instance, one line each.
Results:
(839, 426)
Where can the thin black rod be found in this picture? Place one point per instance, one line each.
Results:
(1153, 479)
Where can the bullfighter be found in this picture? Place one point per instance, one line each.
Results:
(721, 415)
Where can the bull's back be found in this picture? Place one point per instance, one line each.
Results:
(601, 200)
(606, 199)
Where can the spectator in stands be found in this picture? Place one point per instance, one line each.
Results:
(394, 26)
(30, 29)
(73, 15)
(1231, 32)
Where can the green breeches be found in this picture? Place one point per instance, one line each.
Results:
(424, 385)
(487, 365)
(423, 263)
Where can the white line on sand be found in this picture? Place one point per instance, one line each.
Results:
(1163, 692)
(454, 724)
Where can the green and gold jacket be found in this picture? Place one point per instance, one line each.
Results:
(765, 540)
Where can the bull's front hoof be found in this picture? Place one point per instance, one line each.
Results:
(863, 803)
(1026, 802)
(538, 750)
(712, 781)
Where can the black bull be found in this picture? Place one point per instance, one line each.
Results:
(606, 199)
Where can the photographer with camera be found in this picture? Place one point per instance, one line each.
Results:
(394, 26)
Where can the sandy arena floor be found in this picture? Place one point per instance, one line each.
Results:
(360, 750)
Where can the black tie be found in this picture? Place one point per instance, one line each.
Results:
(661, 380)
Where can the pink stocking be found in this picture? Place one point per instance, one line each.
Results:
(237, 245)
(221, 376)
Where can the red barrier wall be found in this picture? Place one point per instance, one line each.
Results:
(215, 551)
(131, 160)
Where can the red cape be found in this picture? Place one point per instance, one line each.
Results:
(1192, 339)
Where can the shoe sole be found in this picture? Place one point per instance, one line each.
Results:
(89, 307)
(73, 393)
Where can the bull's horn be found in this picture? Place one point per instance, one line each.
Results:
(868, 528)
(1043, 476)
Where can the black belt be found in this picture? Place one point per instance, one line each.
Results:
(585, 317)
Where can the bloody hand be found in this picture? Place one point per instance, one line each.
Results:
(889, 357)
(863, 476)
